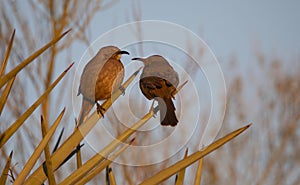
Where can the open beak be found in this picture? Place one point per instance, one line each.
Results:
(124, 52)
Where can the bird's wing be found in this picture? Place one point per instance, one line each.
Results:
(152, 82)
(89, 77)
(150, 85)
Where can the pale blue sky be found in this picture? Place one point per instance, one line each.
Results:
(229, 27)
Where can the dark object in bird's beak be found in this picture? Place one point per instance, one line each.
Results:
(124, 52)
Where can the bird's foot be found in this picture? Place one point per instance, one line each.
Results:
(154, 109)
(122, 89)
(100, 109)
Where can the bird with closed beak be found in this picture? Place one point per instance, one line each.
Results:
(159, 81)
(102, 75)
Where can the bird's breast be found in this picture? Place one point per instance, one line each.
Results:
(109, 79)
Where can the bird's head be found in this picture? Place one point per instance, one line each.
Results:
(112, 52)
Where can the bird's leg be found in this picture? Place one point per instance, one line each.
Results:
(122, 89)
(100, 109)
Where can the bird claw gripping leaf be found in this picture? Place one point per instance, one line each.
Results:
(100, 109)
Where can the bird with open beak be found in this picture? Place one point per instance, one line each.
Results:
(159, 81)
(100, 78)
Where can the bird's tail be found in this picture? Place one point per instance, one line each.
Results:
(167, 112)
(85, 109)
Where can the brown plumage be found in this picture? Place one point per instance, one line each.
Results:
(159, 81)
(100, 78)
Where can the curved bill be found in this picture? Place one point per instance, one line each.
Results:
(123, 52)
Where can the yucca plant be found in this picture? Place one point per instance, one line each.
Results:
(69, 147)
